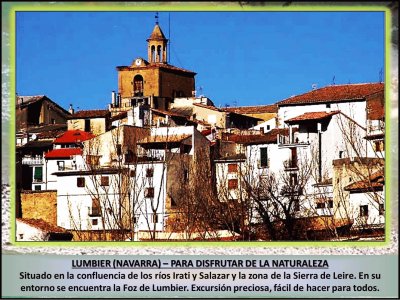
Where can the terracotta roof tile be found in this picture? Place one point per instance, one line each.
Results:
(335, 93)
(120, 116)
(319, 115)
(376, 181)
(207, 106)
(73, 136)
(258, 109)
(96, 113)
(169, 113)
(157, 34)
(164, 139)
(253, 139)
(63, 153)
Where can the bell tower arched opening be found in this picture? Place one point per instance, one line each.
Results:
(138, 87)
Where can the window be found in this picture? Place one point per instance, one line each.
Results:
(232, 168)
(80, 182)
(95, 222)
(320, 205)
(268, 127)
(328, 105)
(138, 85)
(381, 209)
(61, 165)
(38, 187)
(364, 211)
(132, 173)
(129, 156)
(149, 192)
(330, 203)
(95, 207)
(293, 179)
(38, 174)
(149, 172)
(232, 184)
(87, 125)
(119, 149)
(340, 154)
(263, 157)
(104, 181)
(155, 218)
(53, 121)
(378, 146)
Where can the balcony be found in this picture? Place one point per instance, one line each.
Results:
(288, 141)
(37, 160)
(375, 127)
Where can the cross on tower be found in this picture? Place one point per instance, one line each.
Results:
(156, 17)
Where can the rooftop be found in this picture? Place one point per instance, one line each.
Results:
(335, 93)
(73, 136)
(157, 34)
(63, 153)
(258, 109)
(312, 116)
(253, 139)
(96, 113)
(42, 225)
(164, 139)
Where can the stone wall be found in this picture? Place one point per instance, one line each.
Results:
(40, 205)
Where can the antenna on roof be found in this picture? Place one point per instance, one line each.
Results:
(333, 80)
(156, 17)
(314, 86)
(381, 75)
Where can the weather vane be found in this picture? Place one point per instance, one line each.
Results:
(156, 16)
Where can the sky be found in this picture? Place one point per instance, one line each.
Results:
(241, 58)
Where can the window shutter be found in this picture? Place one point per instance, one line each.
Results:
(263, 157)
(38, 173)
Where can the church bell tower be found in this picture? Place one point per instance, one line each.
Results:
(157, 45)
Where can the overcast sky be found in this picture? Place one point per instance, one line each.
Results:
(251, 58)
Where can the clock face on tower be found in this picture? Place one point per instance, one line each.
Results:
(138, 62)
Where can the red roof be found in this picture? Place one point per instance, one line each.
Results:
(73, 136)
(63, 153)
(335, 93)
(319, 115)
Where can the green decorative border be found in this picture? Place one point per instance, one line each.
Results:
(9, 12)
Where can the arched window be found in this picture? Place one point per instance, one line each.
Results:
(159, 57)
(138, 85)
(153, 54)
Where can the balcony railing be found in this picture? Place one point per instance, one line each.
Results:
(376, 127)
(38, 160)
(284, 140)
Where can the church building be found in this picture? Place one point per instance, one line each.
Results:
(154, 81)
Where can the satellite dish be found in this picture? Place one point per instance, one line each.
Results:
(34, 137)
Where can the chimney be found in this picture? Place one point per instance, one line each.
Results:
(71, 110)
(113, 98)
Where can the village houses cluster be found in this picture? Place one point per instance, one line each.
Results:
(163, 163)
